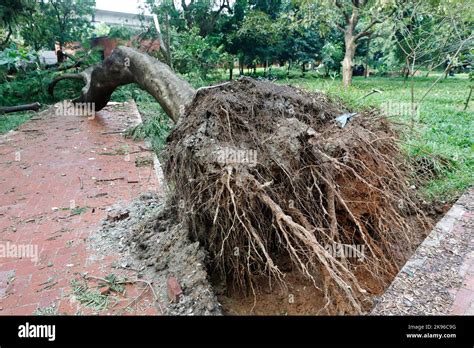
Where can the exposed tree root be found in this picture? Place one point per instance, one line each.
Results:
(313, 186)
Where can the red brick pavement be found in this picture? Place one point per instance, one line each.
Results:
(464, 295)
(52, 198)
(439, 277)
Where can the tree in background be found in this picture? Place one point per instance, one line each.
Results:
(301, 41)
(12, 12)
(257, 39)
(431, 34)
(349, 14)
(57, 21)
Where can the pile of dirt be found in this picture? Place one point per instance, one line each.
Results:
(271, 179)
(151, 242)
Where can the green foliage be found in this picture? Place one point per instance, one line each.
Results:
(12, 13)
(57, 20)
(155, 127)
(122, 32)
(196, 55)
(12, 121)
(32, 87)
(257, 37)
(51, 310)
(27, 82)
(332, 55)
(14, 59)
(89, 297)
(100, 30)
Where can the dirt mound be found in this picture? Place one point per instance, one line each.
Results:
(156, 246)
(162, 243)
(267, 175)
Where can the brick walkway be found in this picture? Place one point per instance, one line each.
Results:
(439, 278)
(59, 174)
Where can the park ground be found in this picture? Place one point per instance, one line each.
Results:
(438, 140)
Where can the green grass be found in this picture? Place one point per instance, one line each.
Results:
(14, 120)
(443, 132)
(155, 127)
(29, 89)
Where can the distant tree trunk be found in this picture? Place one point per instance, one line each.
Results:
(351, 38)
(367, 55)
(429, 70)
(446, 73)
(164, 46)
(241, 64)
(348, 58)
(231, 72)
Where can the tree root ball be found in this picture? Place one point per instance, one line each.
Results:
(262, 173)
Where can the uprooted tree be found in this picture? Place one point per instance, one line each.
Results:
(310, 185)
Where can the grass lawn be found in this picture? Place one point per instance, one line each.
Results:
(13, 120)
(442, 132)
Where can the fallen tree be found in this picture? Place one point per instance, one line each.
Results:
(262, 173)
(124, 66)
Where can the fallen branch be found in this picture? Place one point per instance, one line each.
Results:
(25, 107)
(111, 179)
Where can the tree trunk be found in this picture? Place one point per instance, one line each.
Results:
(164, 47)
(367, 55)
(429, 70)
(350, 41)
(126, 65)
(348, 58)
